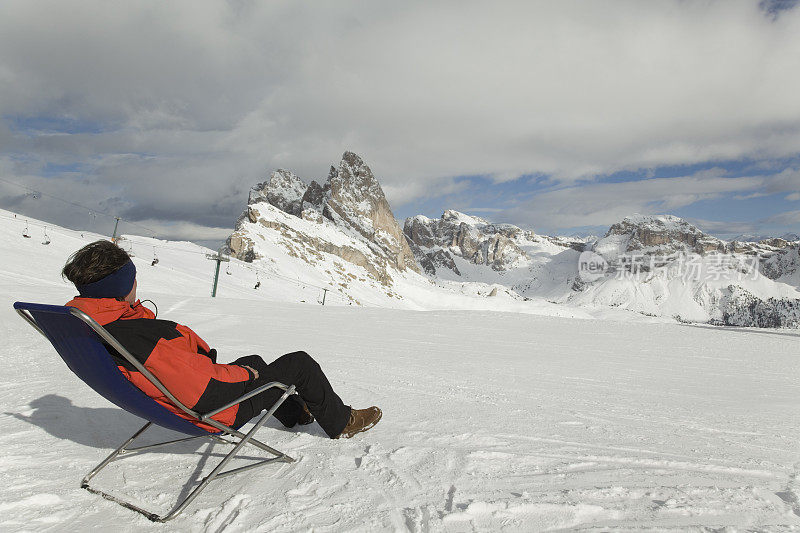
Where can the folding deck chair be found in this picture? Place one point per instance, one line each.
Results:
(81, 343)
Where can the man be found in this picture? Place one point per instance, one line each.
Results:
(105, 277)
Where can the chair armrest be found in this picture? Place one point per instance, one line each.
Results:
(254, 392)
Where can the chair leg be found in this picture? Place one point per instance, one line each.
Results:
(216, 473)
(114, 455)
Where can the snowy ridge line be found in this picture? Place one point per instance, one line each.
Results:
(141, 241)
(132, 239)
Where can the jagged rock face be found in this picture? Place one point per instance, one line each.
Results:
(355, 199)
(351, 201)
(314, 197)
(777, 242)
(475, 239)
(432, 259)
(660, 235)
(284, 190)
(421, 231)
(299, 243)
(240, 245)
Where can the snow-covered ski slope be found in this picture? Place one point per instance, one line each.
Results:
(492, 421)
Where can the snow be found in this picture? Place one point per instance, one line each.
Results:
(493, 421)
(457, 217)
(654, 220)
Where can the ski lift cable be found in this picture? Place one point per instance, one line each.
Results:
(133, 241)
(94, 213)
(36, 194)
(29, 224)
(330, 289)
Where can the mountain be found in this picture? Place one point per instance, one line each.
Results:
(471, 238)
(656, 234)
(284, 190)
(346, 220)
(663, 265)
(655, 265)
(501, 247)
(351, 201)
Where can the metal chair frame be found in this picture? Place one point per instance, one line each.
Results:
(125, 451)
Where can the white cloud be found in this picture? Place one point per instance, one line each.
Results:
(602, 204)
(198, 100)
(786, 218)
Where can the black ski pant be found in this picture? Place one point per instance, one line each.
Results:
(312, 387)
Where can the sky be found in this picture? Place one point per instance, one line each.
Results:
(562, 117)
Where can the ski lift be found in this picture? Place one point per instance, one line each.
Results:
(228, 269)
(155, 258)
(25, 231)
(46, 238)
(125, 244)
(258, 281)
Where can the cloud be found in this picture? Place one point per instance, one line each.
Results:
(786, 218)
(177, 108)
(606, 203)
(179, 230)
(787, 180)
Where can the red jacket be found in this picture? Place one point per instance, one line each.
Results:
(179, 358)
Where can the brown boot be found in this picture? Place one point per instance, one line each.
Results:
(360, 420)
(306, 418)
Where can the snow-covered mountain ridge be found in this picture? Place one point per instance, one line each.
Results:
(657, 265)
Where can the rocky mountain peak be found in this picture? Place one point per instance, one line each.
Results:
(284, 190)
(355, 199)
(657, 234)
(354, 179)
(452, 216)
(436, 241)
(351, 200)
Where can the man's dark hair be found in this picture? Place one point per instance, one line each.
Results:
(93, 262)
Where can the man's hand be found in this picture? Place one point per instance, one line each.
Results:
(251, 369)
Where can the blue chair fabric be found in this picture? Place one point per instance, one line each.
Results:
(86, 355)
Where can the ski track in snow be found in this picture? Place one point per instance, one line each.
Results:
(502, 423)
(492, 421)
